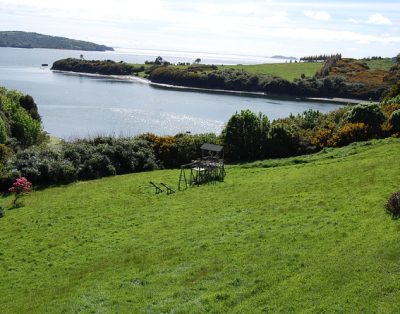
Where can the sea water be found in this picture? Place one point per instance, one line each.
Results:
(75, 106)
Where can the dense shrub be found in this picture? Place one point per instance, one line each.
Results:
(370, 114)
(245, 136)
(164, 148)
(348, 133)
(309, 119)
(103, 156)
(82, 159)
(391, 100)
(394, 121)
(5, 153)
(321, 137)
(174, 151)
(188, 146)
(283, 140)
(394, 91)
(3, 131)
(42, 166)
(27, 102)
(24, 128)
(17, 122)
(393, 205)
(106, 67)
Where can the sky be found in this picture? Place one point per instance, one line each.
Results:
(256, 28)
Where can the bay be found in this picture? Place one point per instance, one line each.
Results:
(74, 106)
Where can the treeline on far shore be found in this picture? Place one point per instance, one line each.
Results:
(25, 149)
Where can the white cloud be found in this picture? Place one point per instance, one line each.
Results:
(326, 35)
(257, 26)
(379, 19)
(354, 21)
(318, 15)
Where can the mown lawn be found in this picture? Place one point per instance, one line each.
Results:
(305, 234)
(288, 71)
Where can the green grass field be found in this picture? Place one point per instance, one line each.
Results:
(383, 64)
(289, 71)
(305, 234)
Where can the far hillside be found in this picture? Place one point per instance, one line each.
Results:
(17, 39)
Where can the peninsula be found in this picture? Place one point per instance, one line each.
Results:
(337, 77)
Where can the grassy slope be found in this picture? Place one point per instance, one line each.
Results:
(288, 71)
(308, 234)
(291, 71)
(383, 64)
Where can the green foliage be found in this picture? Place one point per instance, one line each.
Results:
(19, 119)
(187, 147)
(174, 151)
(3, 131)
(29, 105)
(106, 67)
(283, 140)
(391, 100)
(370, 114)
(309, 119)
(394, 120)
(394, 92)
(82, 159)
(24, 128)
(5, 153)
(349, 133)
(245, 135)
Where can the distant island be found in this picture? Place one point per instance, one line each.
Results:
(283, 57)
(17, 39)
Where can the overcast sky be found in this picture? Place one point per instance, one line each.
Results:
(258, 27)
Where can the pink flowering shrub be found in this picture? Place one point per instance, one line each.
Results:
(20, 187)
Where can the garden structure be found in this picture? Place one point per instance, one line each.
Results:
(208, 168)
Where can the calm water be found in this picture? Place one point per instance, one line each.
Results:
(76, 106)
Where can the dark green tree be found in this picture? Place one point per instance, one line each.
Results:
(283, 140)
(159, 60)
(245, 135)
(29, 105)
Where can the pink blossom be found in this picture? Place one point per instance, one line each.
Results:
(21, 185)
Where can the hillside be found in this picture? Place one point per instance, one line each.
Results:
(19, 39)
(306, 234)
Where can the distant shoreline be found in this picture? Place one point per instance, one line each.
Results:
(131, 78)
